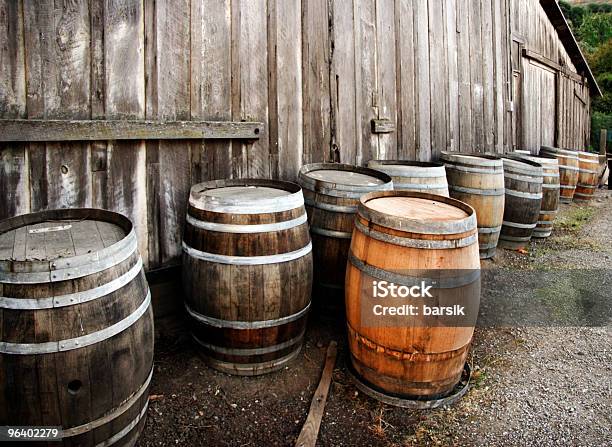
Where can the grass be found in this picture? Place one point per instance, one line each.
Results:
(575, 218)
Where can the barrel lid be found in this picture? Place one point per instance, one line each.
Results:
(558, 151)
(588, 156)
(246, 196)
(539, 159)
(419, 164)
(63, 244)
(471, 158)
(343, 180)
(417, 212)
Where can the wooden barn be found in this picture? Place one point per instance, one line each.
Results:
(124, 104)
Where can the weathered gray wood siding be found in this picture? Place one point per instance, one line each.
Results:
(447, 74)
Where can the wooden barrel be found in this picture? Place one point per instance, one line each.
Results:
(478, 180)
(568, 170)
(400, 236)
(523, 185)
(588, 176)
(550, 195)
(331, 193)
(76, 345)
(417, 176)
(247, 273)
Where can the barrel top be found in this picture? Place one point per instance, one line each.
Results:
(246, 192)
(539, 159)
(471, 158)
(417, 212)
(346, 177)
(558, 151)
(417, 208)
(246, 196)
(343, 180)
(417, 164)
(53, 239)
(588, 156)
(56, 245)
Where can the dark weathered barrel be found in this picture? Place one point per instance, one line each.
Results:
(76, 344)
(523, 185)
(588, 176)
(400, 237)
(550, 194)
(331, 192)
(478, 180)
(568, 170)
(247, 273)
(419, 176)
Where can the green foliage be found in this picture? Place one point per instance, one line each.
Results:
(595, 29)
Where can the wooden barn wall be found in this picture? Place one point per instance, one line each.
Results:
(555, 110)
(315, 72)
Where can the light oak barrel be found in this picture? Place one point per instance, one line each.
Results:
(588, 176)
(76, 326)
(550, 194)
(568, 170)
(478, 180)
(331, 193)
(420, 176)
(523, 186)
(398, 235)
(247, 273)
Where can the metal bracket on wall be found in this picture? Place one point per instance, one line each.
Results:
(88, 130)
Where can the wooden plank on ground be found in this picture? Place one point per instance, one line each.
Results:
(310, 430)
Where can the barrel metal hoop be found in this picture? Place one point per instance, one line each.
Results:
(503, 237)
(546, 223)
(125, 430)
(421, 186)
(518, 225)
(523, 195)
(487, 230)
(480, 192)
(347, 192)
(407, 171)
(490, 170)
(251, 351)
(77, 266)
(582, 185)
(242, 229)
(251, 369)
(487, 246)
(524, 178)
(588, 171)
(547, 213)
(551, 185)
(397, 278)
(247, 260)
(331, 233)
(568, 168)
(549, 174)
(77, 342)
(235, 324)
(80, 429)
(72, 298)
(241, 206)
(416, 243)
(568, 187)
(349, 209)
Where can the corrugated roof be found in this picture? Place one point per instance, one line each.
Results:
(556, 17)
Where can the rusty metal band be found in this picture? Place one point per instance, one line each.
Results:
(523, 195)
(77, 342)
(252, 369)
(235, 324)
(476, 191)
(405, 280)
(487, 230)
(331, 233)
(416, 243)
(518, 225)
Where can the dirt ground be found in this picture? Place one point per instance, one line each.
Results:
(531, 385)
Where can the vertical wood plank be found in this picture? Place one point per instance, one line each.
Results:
(476, 72)
(438, 75)
(316, 100)
(406, 113)
(286, 89)
(464, 76)
(488, 58)
(125, 99)
(342, 80)
(386, 75)
(422, 87)
(450, 13)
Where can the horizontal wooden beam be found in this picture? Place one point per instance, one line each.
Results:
(530, 54)
(86, 130)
